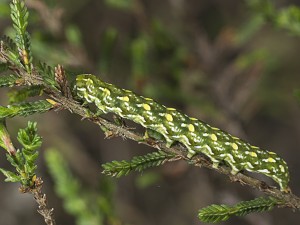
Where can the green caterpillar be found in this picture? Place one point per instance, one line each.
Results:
(197, 136)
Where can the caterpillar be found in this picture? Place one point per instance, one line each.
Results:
(197, 136)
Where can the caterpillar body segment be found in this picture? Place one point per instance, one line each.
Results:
(174, 126)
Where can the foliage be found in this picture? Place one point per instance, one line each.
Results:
(8, 80)
(109, 41)
(20, 95)
(24, 160)
(87, 206)
(138, 163)
(25, 109)
(216, 213)
(19, 16)
(287, 18)
(47, 73)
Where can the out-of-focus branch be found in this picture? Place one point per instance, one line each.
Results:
(50, 17)
(54, 24)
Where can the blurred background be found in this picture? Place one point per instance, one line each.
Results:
(234, 64)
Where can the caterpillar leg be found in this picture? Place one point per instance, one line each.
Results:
(230, 161)
(207, 151)
(216, 164)
(149, 133)
(153, 137)
(119, 121)
(169, 143)
(191, 153)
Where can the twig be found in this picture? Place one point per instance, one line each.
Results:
(41, 200)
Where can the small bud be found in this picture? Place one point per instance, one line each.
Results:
(52, 102)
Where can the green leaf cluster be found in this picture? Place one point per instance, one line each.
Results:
(18, 53)
(17, 96)
(289, 18)
(47, 74)
(88, 207)
(216, 213)
(8, 80)
(138, 163)
(24, 160)
(19, 16)
(11, 51)
(25, 109)
(286, 18)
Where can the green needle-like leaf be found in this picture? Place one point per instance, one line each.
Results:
(10, 176)
(25, 109)
(216, 213)
(47, 74)
(8, 80)
(19, 16)
(29, 138)
(24, 160)
(257, 205)
(138, 163)
(17, 96)
(5, 141)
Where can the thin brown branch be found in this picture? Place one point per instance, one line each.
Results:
(287, 199)
(41, 200)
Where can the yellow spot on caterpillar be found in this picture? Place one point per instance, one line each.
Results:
(125, 99)
(271, 160)
(171, 109)
(192, 118)
(191, 127)
(234, 146)
(253, 154)
(213, 137)
(149, 99)
(169, 117)
(214, 128)
(146, 107)
(106, 91)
